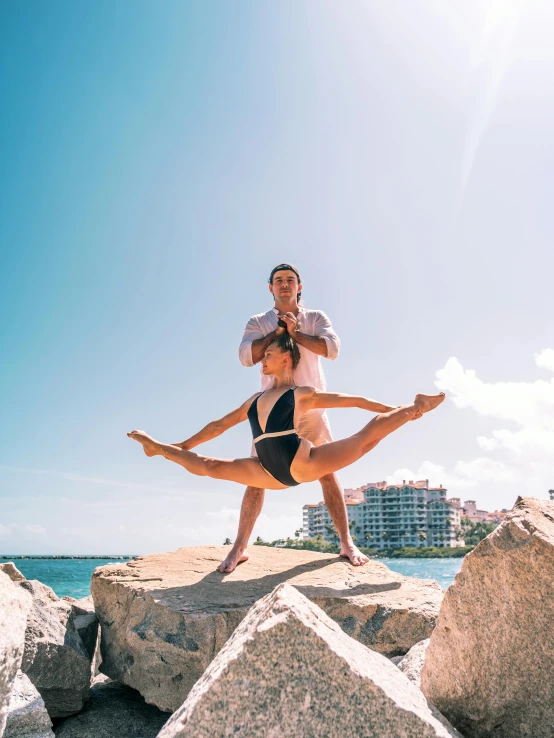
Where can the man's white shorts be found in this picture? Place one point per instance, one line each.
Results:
(313, 426)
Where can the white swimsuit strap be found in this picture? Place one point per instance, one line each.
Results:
(273, 435)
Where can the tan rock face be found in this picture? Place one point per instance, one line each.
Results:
(27, 715)
(412, 663)
(289, 671)
(14, 606)
(490, 660)
(59, 643)
(165, 617)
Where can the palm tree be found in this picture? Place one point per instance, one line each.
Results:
(297, 533)
(421, 537)
(368, 537)
(227, 542)
(259, 539)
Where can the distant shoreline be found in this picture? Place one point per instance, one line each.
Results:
(123, 557)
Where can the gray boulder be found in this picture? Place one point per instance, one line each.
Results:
(412, 663)
(14, 606)
(289, 671)
(27, 715)
(113, 711)
(165, 617)
(490, 660)
(60, 639)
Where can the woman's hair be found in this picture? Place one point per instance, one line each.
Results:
(288, 345)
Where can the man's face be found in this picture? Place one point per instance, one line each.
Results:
(285, 285)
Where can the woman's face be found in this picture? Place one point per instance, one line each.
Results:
(274, 360)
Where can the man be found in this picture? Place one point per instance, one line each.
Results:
(315, 337)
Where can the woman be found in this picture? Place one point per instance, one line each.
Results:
(284, 459)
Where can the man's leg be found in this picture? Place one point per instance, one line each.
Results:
(251, 507)
(333, 497)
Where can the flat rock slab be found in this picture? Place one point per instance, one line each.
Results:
(15, 604)
(27, 715)
(113, 711)
(490, 660)
(289, 671)
(165, 617)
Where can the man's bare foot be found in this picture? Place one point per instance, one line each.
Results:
(232, 560)
(352, 552)
(149, 445)
(426, 403)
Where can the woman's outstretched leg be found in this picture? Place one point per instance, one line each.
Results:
(315, 462)
(244, 471)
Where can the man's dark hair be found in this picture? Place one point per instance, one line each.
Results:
(288, 345)
(284, 267)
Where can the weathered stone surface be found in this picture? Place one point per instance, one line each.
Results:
(165, 617)
(289, 671)
(490, 661)
(412, 663)
(14, 606)
(10, 569)
(27, 715)
(113, 711)
(59, 644)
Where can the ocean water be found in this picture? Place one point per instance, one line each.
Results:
(442, 570)
(72, 576)
(67, 577)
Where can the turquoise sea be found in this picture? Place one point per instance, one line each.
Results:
(71, 576)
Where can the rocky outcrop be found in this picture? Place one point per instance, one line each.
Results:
(14, 606)
(27, 716)
(113, 711)
(165, 617)
(60, 638)
(289, 670)
(490, 659)
(412, 663)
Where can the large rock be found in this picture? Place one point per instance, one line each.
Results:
(113, 711)
(165, 617)
(60, 639)
(27, 715)
(490, 661)
(289, 671)
(412, 663)
(14, 606)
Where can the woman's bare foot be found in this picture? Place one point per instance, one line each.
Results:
(232, 560)
(149, 445)
(352, 552)
(426, 403)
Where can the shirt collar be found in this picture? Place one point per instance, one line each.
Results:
(300, 309)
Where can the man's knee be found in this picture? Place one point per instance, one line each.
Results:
(254, 491)
(330, 483)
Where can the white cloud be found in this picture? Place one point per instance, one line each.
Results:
(527, 447)
(545, 359)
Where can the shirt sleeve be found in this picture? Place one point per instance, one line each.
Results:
(251, 333)
(324, 329)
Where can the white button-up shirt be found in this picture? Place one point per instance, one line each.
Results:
(309, 372)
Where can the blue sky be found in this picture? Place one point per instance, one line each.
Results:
(160, 159)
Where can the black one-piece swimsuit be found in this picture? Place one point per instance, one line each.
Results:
(277, 446)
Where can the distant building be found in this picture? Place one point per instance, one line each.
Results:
(392, 516)
(469, 510)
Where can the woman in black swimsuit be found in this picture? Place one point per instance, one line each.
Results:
(284, 459)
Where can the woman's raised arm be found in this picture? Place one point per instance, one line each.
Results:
(312, 399)
(217, 427)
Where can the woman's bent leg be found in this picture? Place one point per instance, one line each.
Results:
(315, 462)
(244, 471)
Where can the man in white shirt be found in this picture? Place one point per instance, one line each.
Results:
(315, 337)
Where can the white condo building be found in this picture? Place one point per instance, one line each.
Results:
(393, 516)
